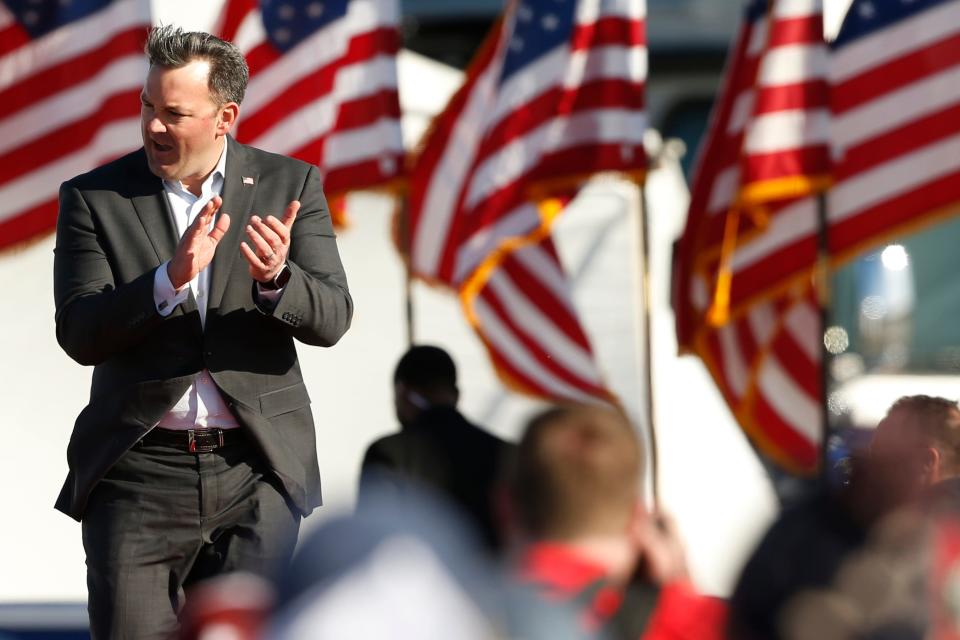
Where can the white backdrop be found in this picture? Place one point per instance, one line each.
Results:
(709, 479)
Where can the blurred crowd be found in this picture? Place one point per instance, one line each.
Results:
(459, 534)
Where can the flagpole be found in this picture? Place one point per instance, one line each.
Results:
(647, 363)
(822, 283)
(406, 241)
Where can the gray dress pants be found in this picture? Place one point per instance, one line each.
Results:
(163, 519)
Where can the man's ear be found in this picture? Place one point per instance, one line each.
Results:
(227, 117)
(932, 461)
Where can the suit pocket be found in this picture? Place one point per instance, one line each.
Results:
(274, 403)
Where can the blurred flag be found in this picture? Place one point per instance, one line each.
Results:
(323, 86)
(757, 326)
(895, 150)
(895, 76)
(555, 95)
(765, 154)
(766, 363)
(524, 315)
(786, 141)
(70, 81)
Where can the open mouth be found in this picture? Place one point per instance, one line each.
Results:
(161, 148)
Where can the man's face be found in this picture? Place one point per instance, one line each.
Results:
(406, 410)
(182, 126)
(901, 459)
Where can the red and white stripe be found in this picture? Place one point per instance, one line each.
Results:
(573, 112)
(500, 147)
(527, 321)
(332, 100)
(784, 158)
(766, 364)
(896, 103)
(895, 137)
(69, 101)
(716, 181)
(786, 141)
(765, 360)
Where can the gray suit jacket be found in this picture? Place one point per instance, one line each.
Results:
(114, 229)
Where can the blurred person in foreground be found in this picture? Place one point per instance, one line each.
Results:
(183, 273)
(584, 537)
(437, 448)
(410, 570)
(825, 568)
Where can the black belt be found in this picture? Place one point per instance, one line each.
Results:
(194, 440)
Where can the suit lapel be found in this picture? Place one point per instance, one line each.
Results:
(239, 187)
(151, 205)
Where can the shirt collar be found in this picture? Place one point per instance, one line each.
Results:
(559, 566)
(214, 181)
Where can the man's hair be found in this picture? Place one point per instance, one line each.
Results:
(577, 472)
(426, 367)
(935, 419)
(172, 48)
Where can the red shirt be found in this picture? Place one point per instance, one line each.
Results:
(561, 575)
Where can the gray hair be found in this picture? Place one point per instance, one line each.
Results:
(171, 47)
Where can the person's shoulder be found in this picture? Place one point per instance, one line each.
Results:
(488, 436)
(386, 444)
(387, 440)
(269, 161)
(388, 450)
(109, 175)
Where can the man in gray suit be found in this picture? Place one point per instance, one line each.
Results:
(196, 454)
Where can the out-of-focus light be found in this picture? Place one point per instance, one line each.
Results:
(836, 340)
(895, 257)
(873, 307)
(837, 404)
(847, 366)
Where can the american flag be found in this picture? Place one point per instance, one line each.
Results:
(525, 316)
(555, 95)
(716, 179)
(70, 80)
(766, 147)
(895, 76)
(895, 146)
(767, 151)
(766, 363)
(323, 85)
(786, 142)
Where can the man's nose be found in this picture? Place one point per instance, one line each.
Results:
(155, 126)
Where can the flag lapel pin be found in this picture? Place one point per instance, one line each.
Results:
(247, 180)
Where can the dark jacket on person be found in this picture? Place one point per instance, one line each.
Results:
(445, 452)
(114, 230)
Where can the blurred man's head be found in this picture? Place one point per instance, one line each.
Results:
(577, 474)
(425, 377)
(916, 445)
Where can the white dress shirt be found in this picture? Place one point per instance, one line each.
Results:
(202, 405)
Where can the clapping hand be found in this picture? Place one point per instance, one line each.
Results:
(271, 237)
(197, 246)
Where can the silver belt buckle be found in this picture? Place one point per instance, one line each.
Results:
(205, 442)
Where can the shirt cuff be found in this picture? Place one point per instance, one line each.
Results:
(266, 299)
(164, 295)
